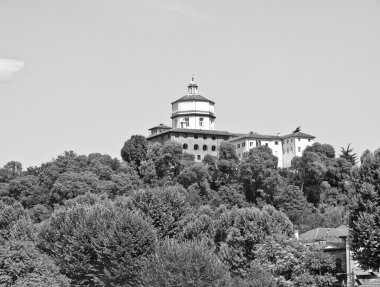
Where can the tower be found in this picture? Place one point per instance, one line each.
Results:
(193, 111)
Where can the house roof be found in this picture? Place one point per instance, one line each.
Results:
(256, 136)
(160, 126)
(195, 131)
(252, 135)
(298, 135)
(323, 234)
(193, 97)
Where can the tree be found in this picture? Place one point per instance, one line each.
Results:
(10, 171)
(135, 149)
(231, 196)
(347, 154)
(365, 212)
(23, 265)
(71, 184)
(163, 207)
(259, 175)
(25, 189)
(227, 163)
(97, 243)
(9, 215)
(184, 264)
(322, 149)
(169, 163)
(293, 262)
(256, 276)
(239, 231)
(293, 203)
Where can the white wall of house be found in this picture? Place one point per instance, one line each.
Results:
(246, 144)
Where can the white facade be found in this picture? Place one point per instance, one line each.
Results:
(193, 111)
(284, 148)
(294, 145)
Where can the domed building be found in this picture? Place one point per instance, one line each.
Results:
(193, 125)
(193, 111)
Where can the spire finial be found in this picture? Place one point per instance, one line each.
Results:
(192, 87)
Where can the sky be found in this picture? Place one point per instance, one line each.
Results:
(86, 75)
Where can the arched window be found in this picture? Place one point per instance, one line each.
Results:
(184, 146)
(204, 147)
(213, 148)
(196, 147)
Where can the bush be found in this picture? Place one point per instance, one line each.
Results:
(184, 264)
(97, 244)
(22, 265)
(163, 207)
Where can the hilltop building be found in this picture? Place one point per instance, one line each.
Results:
(193, 126)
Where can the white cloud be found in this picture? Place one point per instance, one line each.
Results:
(8, 68)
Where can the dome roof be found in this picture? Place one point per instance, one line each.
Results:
(193, 94)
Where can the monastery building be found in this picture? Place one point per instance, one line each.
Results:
(193, 126)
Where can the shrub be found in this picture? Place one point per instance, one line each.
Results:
(184, 264)
(97, 243)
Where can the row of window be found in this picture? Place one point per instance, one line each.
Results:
(205, 137)
(299, 139)
(196, 147)
(186, 122)
(258, 143)
(291, 150)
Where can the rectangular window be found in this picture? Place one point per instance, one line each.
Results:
(266, 144)
(276, 142)
(258, 143)
(299, 139)
(176, 135)
(198, 157)
(291, 149)
(201, 122)
(213, 138)
(185, 135)
(185, 123)
(308, 140)
(205, 137)
(287, 141)
(238, 146)
(195, 136)
(287, 150)
(250, 143)
(243, 144)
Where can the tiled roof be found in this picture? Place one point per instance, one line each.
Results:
(256, 136)
(298, 135)
(199, 132)
(193, 97)
(160, 126)
(323, 234)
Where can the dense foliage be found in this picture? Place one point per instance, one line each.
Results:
(158, 218)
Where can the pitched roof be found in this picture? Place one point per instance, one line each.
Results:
(298, 135)
(160, 126)
(256, 136)
(323, 234)
(195, 131)
(193, 97)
